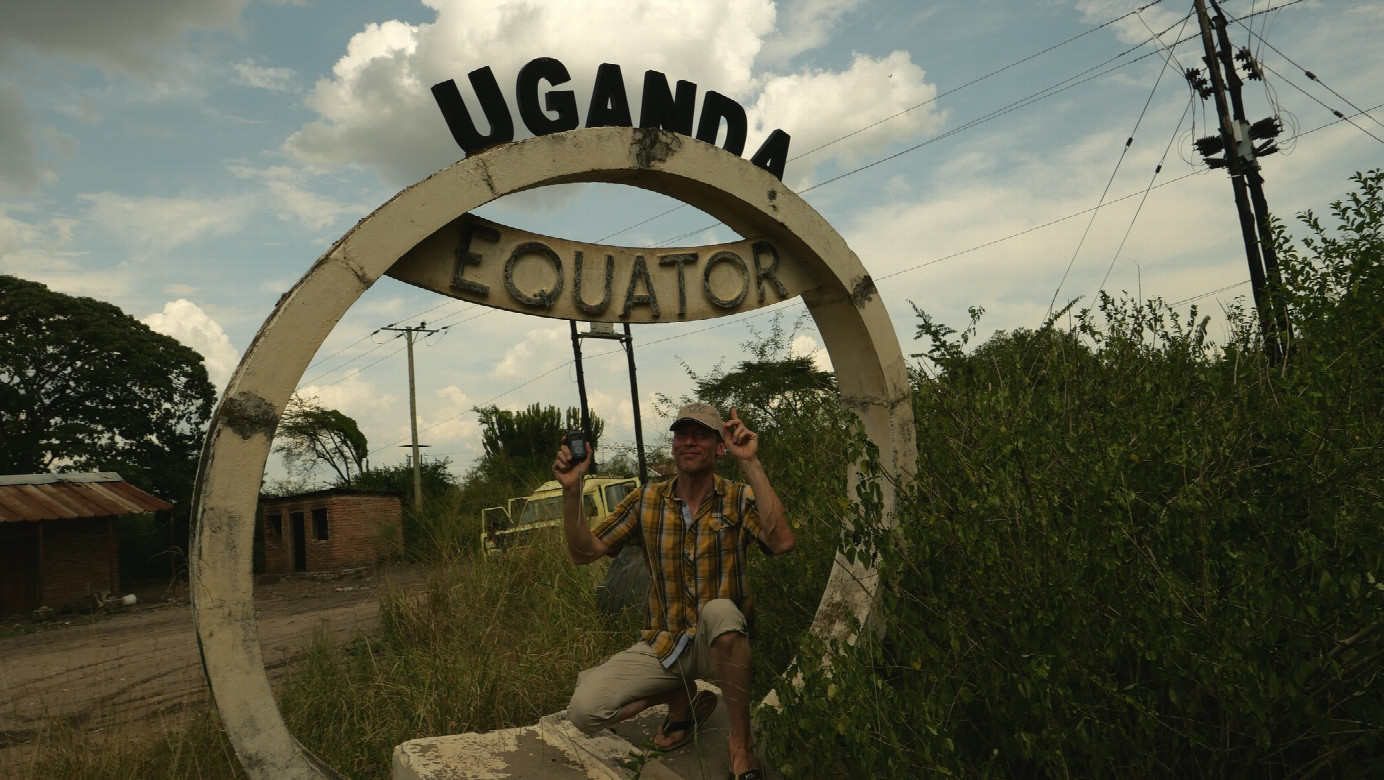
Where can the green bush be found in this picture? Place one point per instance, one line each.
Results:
(1128, 552)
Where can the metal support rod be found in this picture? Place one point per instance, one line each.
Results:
(581, 388)
(628, 341)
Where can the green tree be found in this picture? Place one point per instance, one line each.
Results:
(310, 434)
(519, 446)
(772, 386)
(85, 386)
(438, 479)
(532, 433)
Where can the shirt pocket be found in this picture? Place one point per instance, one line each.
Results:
(723, 533)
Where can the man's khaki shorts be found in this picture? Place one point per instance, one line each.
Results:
(637, 673)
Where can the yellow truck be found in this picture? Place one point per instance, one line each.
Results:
(525, 519)
(621, 584)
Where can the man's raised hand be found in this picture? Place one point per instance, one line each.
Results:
(741, 442)
(569, 474)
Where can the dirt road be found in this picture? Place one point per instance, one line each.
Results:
(105, 669)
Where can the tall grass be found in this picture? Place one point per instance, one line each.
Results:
(185, 745)
(484, 643)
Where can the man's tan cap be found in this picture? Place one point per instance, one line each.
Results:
(703, 414)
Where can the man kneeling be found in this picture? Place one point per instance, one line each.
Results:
(695, 530)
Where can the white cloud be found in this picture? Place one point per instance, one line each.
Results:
(804, 345)
(188, 323)
(381, 416)
(377, 109)
(249, 74)
(42, 251)
(803, 25)
(290, 200)
(82, 108)
(162, 224)
(1132, 27)
(819, 107)
(541, 350)
(353, 391)
(616, 411)
(450, 420)
(61, 143)
(1004, 242)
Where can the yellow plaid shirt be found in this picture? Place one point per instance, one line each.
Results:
(689, 565)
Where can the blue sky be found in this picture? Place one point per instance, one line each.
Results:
(188, 161)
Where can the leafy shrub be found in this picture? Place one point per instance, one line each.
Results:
(1128, 552)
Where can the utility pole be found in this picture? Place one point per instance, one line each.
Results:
(605, 330)
(413, 408)
(1236, 139)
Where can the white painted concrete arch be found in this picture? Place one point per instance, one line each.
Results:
(859, 337)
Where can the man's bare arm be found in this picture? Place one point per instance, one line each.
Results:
(582, 545)
(774, 529)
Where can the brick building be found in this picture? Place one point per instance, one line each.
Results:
(331, 529)
(59, 545)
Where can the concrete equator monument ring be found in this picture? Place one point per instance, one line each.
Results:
(854, 325)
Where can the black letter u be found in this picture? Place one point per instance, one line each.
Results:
(459, 119)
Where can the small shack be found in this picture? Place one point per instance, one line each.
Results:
(59, 544)
(331, 529)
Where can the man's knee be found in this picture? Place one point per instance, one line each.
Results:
(589, 710)
(721, 616)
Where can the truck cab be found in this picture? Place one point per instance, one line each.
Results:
(527, 518)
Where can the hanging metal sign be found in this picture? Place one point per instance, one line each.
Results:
(485, 262)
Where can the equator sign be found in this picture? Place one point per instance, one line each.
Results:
(787, 250)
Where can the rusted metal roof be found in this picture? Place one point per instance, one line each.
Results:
(33, 497)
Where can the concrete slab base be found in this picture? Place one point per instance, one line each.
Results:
(553, 748)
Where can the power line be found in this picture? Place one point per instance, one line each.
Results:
(1111, 181)
(1013, 106)
(1309, 74)
(1210, 293)
(917, 106)
(1140, 208)
(975, 81)
(918, 266)
(1024, 232)
(723, 323)
(900, 272)
(1055, 89)
(1319, 102)
(320, 361)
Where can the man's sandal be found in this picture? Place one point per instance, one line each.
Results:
(703, 704)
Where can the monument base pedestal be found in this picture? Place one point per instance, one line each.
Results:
(553, 748)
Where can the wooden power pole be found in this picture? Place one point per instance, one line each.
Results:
(413, 409)
(1237, 139)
